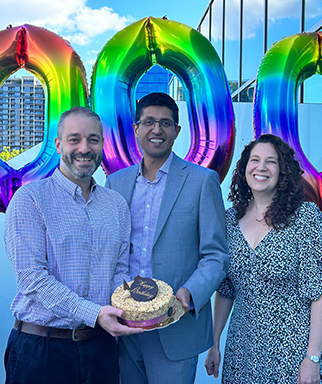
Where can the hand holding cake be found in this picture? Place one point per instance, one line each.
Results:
(107, 319)
(184, 296)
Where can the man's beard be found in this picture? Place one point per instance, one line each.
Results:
(78, 174)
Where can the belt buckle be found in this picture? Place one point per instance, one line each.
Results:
(80, 328)
(73, 334)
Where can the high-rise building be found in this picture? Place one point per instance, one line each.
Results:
(22, 113)
(156, 79)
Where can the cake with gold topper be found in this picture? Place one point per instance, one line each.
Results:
(146, 303)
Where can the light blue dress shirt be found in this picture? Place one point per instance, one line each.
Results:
(68, 254)
(145, 207)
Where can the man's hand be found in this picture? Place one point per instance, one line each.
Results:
(107, 319)
(183, 295)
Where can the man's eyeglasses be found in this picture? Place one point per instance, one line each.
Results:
(163, 123)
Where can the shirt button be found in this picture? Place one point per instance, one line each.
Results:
(148, 206)
(146, 227)
(142, 272)
(144, 249)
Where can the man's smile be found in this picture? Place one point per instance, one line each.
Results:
(157, 141)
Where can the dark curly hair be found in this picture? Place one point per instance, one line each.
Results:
(289, 193)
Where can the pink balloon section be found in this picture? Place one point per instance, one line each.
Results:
(119, 67)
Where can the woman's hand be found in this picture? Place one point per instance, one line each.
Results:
(212, 361)
(309, 372)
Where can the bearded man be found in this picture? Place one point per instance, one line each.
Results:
(67, 239)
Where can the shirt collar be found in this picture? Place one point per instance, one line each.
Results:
(70, 187)
(164, 168)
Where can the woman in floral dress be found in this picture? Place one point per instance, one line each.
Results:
(274, 282)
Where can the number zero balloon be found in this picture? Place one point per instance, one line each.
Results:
(59, 69)
(284, 67)
(189, 55)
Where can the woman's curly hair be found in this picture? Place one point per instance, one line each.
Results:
(289, 193)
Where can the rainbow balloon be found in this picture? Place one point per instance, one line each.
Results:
(59, 69)
(122, 62)
(284, 67)
(189, 55)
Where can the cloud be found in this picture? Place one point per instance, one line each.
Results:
(72, 19)
(77, 38)
(55, 13)
(96, 21)
(91, 61)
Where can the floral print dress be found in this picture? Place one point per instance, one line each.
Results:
(272, 287)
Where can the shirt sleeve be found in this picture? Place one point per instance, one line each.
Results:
(25, 244)
(214, 257)
(226, 289)
(310, 252)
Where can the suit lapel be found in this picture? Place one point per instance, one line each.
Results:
(175, 181)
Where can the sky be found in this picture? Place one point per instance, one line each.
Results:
(89, 24)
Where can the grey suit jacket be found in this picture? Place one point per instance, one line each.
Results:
(189, 248)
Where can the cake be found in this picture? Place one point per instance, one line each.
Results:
(149, 312)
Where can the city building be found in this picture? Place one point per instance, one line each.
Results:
(22, 113)
(156, 79)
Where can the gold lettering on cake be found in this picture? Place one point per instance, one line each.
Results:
(143, 289)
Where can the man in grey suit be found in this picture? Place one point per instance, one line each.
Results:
(178, 236)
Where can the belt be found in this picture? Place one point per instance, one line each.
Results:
(78, 334)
